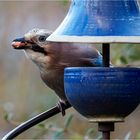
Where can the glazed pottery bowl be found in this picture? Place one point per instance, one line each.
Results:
(101, 93)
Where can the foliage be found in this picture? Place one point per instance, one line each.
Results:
(65, 2)
(127, 136)
(138, 136)
(126, 54)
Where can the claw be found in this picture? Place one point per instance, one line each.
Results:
(61, 106)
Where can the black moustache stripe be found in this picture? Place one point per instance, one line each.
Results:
(37, 48)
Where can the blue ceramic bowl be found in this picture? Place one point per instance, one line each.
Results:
(103, 94)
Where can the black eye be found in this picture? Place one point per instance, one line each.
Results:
(42, 38)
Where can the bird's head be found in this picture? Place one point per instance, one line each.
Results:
(33, 44)
(33, 40)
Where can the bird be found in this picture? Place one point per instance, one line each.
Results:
(53, 57)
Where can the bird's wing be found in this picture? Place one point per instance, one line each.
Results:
(93, 61)
(98, 61)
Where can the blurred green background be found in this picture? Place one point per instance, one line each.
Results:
(22, 92)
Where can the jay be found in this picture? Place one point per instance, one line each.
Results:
(53, 57)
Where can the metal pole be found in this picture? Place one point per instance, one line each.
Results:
(106, 54)
(106, 128)
(33, 121)
(106, 135)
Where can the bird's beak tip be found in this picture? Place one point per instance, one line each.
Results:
(18, 43)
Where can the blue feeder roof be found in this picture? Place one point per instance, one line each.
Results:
(100, 21)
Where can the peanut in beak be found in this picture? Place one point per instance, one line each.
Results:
(18, 45)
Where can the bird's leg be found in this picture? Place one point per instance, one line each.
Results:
(62, 106)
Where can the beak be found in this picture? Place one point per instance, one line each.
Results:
(20, 43)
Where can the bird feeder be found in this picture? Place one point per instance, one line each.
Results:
(102, 94)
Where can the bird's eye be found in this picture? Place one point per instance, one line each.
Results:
(42, 38)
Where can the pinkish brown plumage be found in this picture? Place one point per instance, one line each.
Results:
(52, 57)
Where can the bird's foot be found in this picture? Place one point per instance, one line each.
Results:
(62, 106)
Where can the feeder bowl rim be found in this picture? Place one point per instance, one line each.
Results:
(94, 39)
(101, 68)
